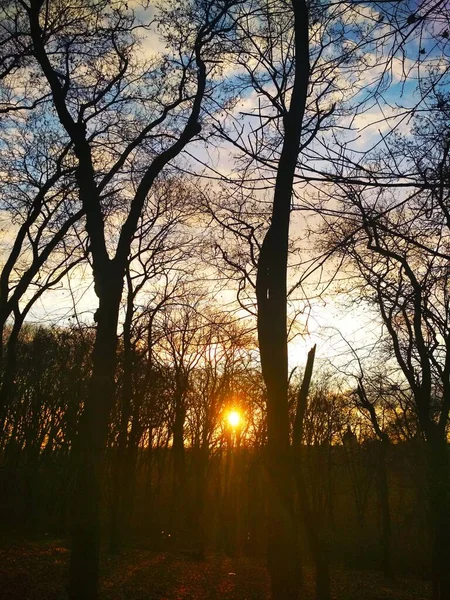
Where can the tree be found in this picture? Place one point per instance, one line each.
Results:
(271, 293)
(284, 61)
(399, 249)
(224, 352)
(159, 248)
(86, 57)
(38, 197)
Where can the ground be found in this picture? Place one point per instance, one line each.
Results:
(36, 570)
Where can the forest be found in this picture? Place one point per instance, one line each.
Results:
(224, 299)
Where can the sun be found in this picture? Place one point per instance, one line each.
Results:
(234, 418)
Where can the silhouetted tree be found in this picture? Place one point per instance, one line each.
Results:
(398, 247)
(86, 57)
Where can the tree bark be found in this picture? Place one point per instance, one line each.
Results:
(9, 370)
(201, 474)
(90, 448)
(271, 291)
(312, 527)
(178, 437)
(120, 477)
(178, 512)
(440, 510)
(386, 563)
(383, 483)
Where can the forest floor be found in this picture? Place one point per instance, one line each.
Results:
(36, 570)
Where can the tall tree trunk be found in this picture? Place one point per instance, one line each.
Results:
(9, 368)
(179, 491)
(312, 526)
(229, 499)
(201, 476)
(383, 484)
(120, 490)
(440, 512)
(90, 448)
(271, 290)
(120, 479)
(178, 438)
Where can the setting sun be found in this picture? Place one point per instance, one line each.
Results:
(224, 283)
(234, 418)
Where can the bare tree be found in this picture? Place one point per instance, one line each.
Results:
(398, 247)
(38, 200)
(271, 292)
(160, 253)
(86, 57)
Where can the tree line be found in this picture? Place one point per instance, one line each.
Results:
(209, 490)
(334, 116)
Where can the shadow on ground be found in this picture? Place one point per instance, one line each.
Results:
(36, 570)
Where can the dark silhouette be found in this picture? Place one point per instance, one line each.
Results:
(187, 189)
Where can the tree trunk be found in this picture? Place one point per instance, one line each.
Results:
(178, 439)
(202, 478)
(271, 292)
(178, 513)
(90, 448)
(229, 499)
(120, 478)
(9, 368)
(322, 561)
(386, 562)
(312, 525)
(440, 512)
(283, 560)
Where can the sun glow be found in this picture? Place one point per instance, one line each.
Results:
(234, 418)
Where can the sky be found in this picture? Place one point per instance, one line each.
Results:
(332, 323)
